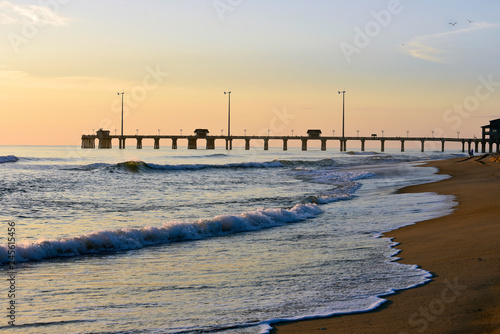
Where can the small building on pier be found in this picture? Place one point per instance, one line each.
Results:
(201, 133)
(314, 133)
(491, 132)
(104, 138)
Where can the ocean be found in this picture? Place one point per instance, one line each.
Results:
(203, 241)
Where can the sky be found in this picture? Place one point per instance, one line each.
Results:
(427, 67)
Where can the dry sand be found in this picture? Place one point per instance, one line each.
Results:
(461, 250)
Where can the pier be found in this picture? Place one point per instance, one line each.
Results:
(105, 141)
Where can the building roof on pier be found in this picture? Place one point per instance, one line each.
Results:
(493, 123)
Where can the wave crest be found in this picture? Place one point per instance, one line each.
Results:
(105, 241)
(8, 158)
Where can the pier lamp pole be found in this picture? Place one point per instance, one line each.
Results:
(343, 117)
(228, 119)
(122, 119)
(343, 110)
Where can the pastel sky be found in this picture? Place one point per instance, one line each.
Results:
(403, 65)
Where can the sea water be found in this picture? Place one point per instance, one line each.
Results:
(196, 241)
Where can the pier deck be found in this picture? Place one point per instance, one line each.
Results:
(88, 141)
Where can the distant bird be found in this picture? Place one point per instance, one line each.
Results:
(403, 44)
(453, 23)
(470, 21)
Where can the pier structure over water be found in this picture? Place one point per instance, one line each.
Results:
(105, 141)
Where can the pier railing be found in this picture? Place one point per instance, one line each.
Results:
(88, 141)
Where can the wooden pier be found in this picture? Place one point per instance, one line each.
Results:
(105, 141)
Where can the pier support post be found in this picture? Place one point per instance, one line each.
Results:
(210, 143)
(174, 143)
(382, 145)
(285, 144)
(469, 145)
(105, 142)
(247, 144)
(343, 145)
(192, 143)
(229, 143)
(423, 144)
(476, 146)
(402, 145)
(266, 144)
(304, 144)
(323, 144)
(88, 142)
(463, 146)
(121, 142)
(362, 145)
(442, 145)
(483, 146)
(498, 147)
(157, 143)
(491, 147)
(139, 143)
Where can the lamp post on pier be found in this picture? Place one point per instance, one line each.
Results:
(343, 117)
(121, 137)
(228, 140)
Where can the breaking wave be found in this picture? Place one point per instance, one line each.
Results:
(141, 166)
(8, 158)
(106, 241)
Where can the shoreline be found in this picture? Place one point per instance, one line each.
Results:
(461, 250)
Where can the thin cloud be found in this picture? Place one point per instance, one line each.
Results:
(428, 48)
(38, 15)
(20, 79)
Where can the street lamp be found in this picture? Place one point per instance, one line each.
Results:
(292, 132)
(432, 134)
(382, 133)
(458, 134)
(159, 131)
(333, 133)
(407, 133)
(358, 133)
(268, 132)
(136, 132)
(221, 132)
(228, 113)
(245, 132)
(181, 132)
(121, 137)
(122, 110)
(93, 131)
(343, 110)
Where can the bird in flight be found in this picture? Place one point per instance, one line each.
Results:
(453, 23)
(470, 21)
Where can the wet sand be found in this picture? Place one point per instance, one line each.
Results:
(461, 250)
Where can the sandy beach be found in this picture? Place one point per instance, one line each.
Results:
(461, 250)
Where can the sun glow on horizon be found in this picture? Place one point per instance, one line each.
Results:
(63, 65)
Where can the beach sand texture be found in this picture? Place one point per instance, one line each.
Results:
(461, 250)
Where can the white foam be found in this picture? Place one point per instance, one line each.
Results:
(134, 238)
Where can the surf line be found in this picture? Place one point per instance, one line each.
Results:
(11, 273)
